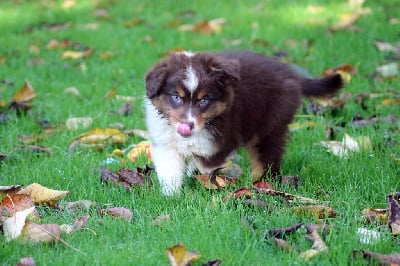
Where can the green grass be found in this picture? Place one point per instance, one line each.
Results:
(199, 218)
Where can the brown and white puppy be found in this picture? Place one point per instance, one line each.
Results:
(201, 107)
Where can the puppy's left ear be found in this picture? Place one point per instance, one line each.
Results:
(155, 79)
(226, 70)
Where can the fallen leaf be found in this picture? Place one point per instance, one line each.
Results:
(318, 246)
(118, 212)
(133, 22)
(4, 190)
(25, 94)
(161, 219)
(347, 20)
(244, 192)
(262, 186)
(138, 132)
(289, 197)
(43, 195)
(27, 261)
(73, 91)
(77, 54)
(205, 27)
(108, 176)
(110, 94)
(76, 225)
(133, 178)
(143, 149)
(283, 244)
(388, 71)
(78, 122)
(98, 138)
(76, 206)
(316, 211)
(348, 145)
(13, 203)
(55, 44)
(214, 181)
(282, 231)
(179, 256)
(394, 213)
(368, 236)
(386, 46)
(41, 232)
(375, 215)
(301, 125)
(12, 226)
(383, 259)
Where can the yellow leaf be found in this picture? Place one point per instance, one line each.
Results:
(100, 136)
(77, 54)
(179, 256)
(300, 125)
(26, 93)
(43, 195)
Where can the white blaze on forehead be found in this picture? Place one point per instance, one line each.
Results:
(192, 80)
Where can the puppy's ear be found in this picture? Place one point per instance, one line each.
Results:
(226, 70)
(155, 79)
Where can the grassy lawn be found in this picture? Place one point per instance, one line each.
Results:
(127, 38)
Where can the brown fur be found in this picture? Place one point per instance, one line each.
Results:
(253, 98)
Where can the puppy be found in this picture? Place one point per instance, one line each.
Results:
(201, 107)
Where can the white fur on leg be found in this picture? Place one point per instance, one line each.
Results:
(169, 167)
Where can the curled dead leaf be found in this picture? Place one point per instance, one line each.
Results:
(383, 259)
(318, 246)
(133, 178)
(316, 211)
(12, 226)
(118, 212)
(282, 231)
(178, 255)
(99, 138)
(13, 203)
(25, 94)
(394, 213)
(375, 215)
(214, 181)
(41, 232)
(27, 261)
(76, 225)
(43, 195)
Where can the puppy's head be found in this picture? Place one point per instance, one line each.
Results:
(191, 90)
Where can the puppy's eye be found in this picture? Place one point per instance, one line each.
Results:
(204, 101)
(176, 98)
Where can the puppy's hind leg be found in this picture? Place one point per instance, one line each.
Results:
(265, 156)
(170, 167)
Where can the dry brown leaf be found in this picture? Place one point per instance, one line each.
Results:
(76, 225)
(118, 212)
(4, 190)
(27, 261)
(375, 215)
(25, 94)
(283, 244)
(214, 181)
(13, 203)
(110, 94)
(289, 197)
(316, 211)
(205, 27)
(282, 231)
(383, 259)
(318, 246)
(134, 178)
(161, 219)
(394, 213)
(12, 226)
(76, 206)
(41, 232)
(347, 20)
(179, 256)
(43, 195)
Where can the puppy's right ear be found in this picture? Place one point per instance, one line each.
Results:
(155, 79)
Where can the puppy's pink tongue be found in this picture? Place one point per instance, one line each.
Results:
(184, 130)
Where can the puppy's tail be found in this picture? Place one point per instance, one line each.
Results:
(322, 86)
